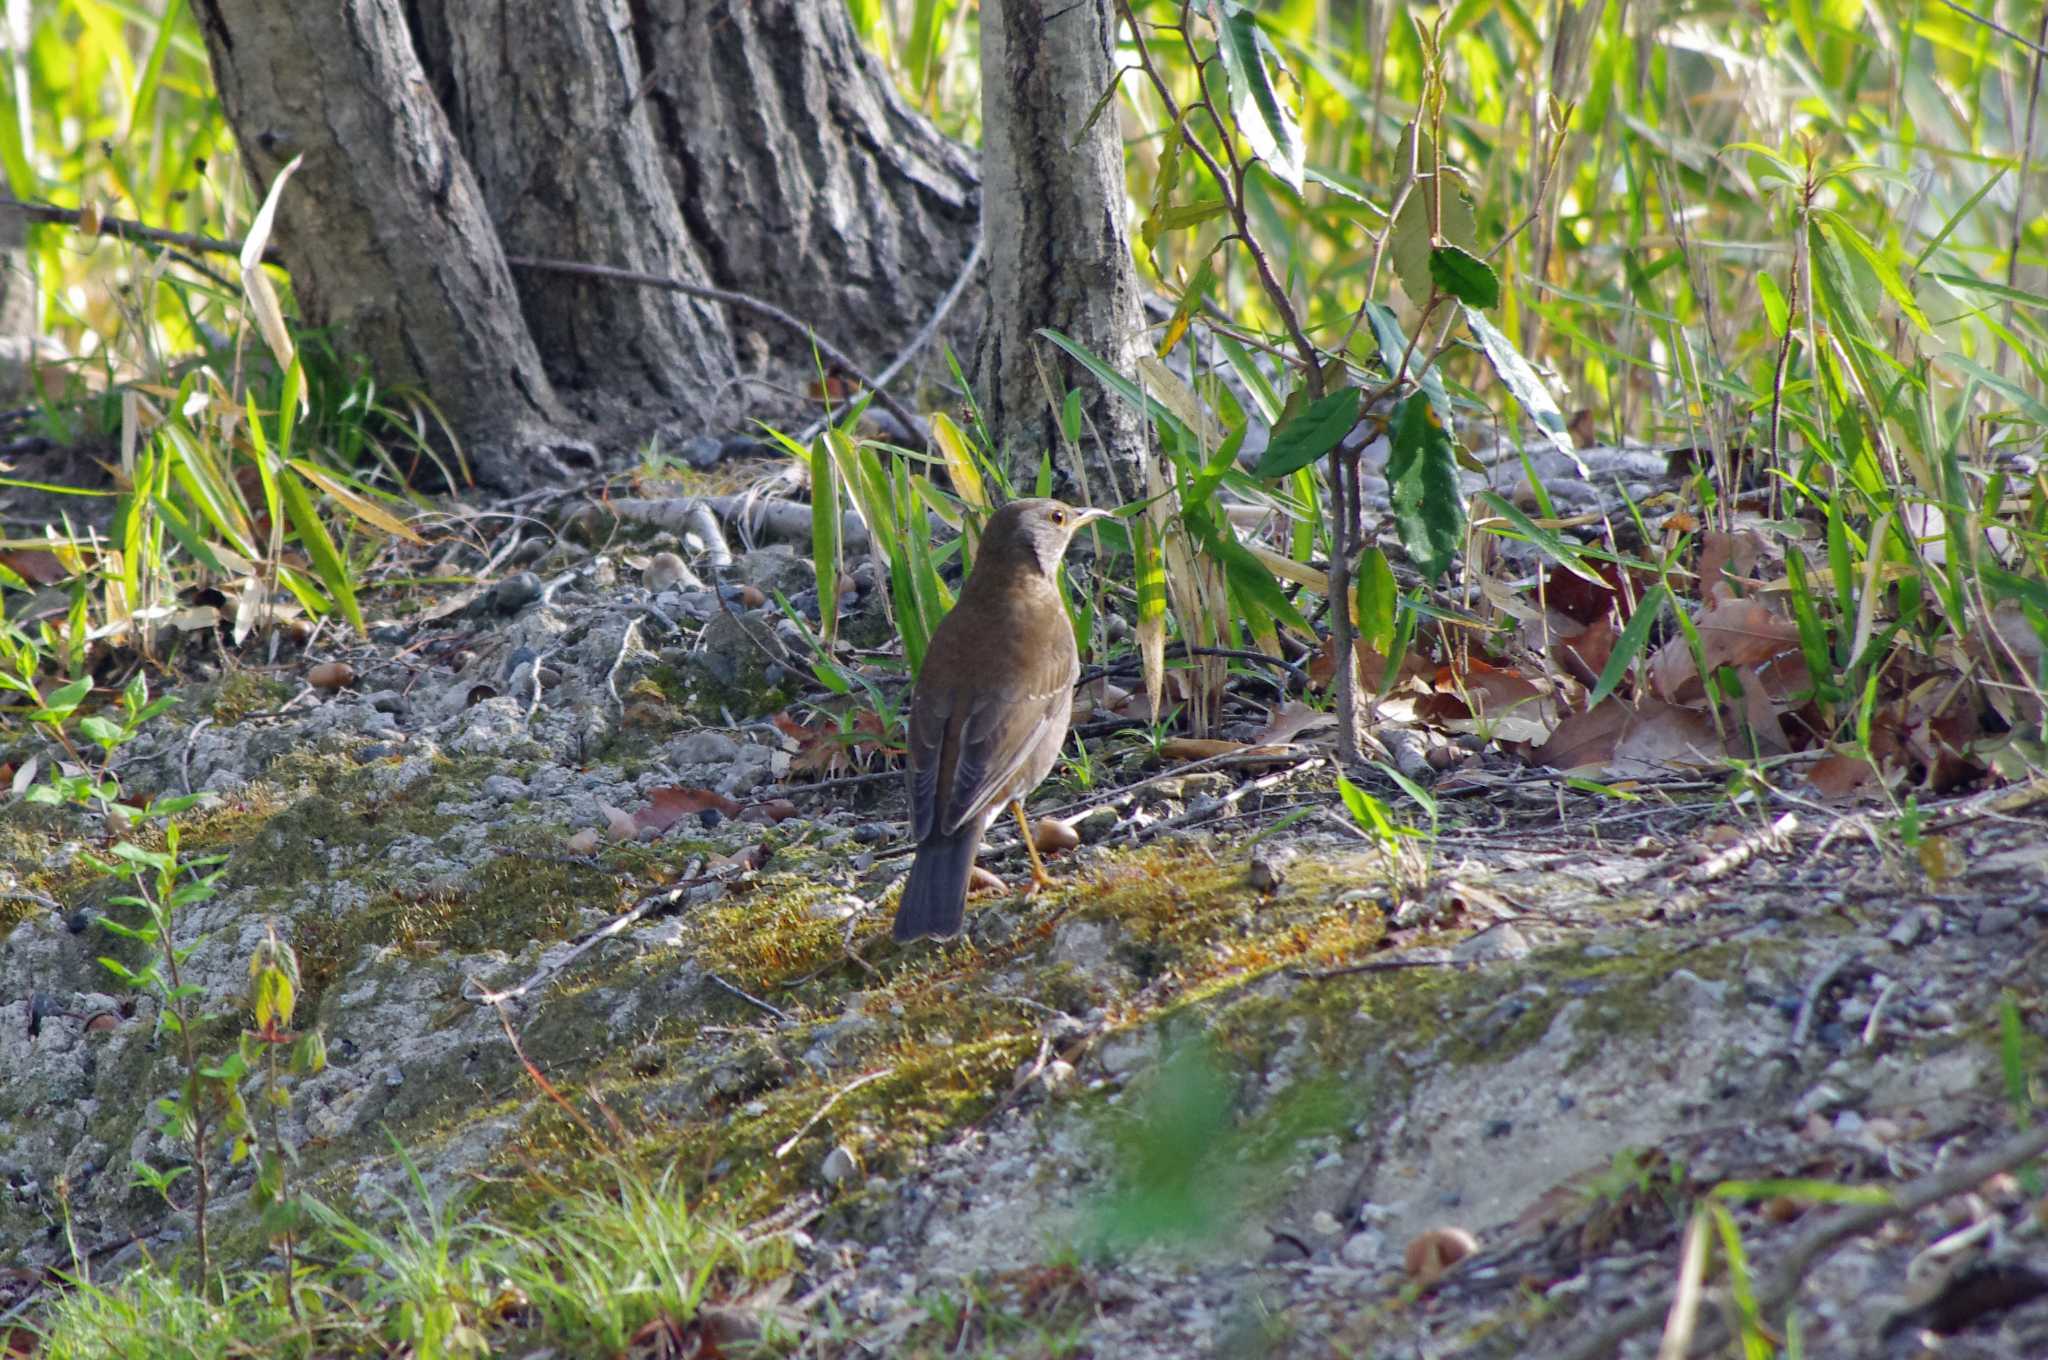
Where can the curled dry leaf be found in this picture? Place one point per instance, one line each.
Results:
(981, 880)
(743, 861)
(1430, 1255)
(583, 842)
(769, 811)
(1650, 739)
(331, 675)
(1198, 748)
(1745, 634)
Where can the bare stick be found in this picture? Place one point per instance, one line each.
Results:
(126, 229)
(837, 1095)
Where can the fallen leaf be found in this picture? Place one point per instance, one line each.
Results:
(1289, 721)
(1430, 1255)
(671, 803)
(34, 566)
(1739, 633)
(583, 842)
(1623, 742)
(1199, 748)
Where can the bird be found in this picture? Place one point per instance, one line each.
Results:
(990, 708)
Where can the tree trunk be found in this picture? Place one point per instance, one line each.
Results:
(1059, 252)
(752, 147)
(384, 228)
(545, 101)
(803, 176)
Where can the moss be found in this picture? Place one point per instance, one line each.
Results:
(236, 695)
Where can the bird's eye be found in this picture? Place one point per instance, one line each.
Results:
(1059, 517)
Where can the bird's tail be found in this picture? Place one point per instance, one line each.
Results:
(934, 898)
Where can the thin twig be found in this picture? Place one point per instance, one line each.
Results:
(548, 1088)
(784, 1016)
(924, 336)
(744, 301)
(836, 1097)
(472, 988)
(126, 229)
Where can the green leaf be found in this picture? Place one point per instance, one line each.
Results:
(1422, 475)
(1116, 382)
(1464, 276)
(1393, 341)
(1521, 380)
(1310, 435)
(1775, 307)
(1265, 122)
(1377, 599)
(1634, 637)
(825, 529)
(327, 560)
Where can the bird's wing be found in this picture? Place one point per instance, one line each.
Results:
(997, 737)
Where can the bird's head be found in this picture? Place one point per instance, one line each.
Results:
(1033, 533)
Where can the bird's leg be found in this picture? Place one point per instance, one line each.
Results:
(1039, 877)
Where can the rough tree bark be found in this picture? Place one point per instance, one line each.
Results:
(751, 146)
(384, 228)
(1059, 252)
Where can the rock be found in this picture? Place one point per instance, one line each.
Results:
(665, 572)
(1269, 864)
(1096, 824)
(701, 452)
(834, 908)
(503, 788)
(743, 446)
(1996, 920)
(775, 569)
(1363, 1248)
(1916, 925)
(1501, 942)
(516, 592)
(1122, 1054)
(839, 1166)
(703, 748)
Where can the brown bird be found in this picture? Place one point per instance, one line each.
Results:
(991, 708)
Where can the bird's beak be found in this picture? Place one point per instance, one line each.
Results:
(1088, 514)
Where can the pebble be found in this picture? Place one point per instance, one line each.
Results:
(1096, 824)
(1938, 1014)
(1913, 927)
(1363, 1249)
(665, 572)
(705, 748)
(514, 593)
(839, 1166)
(701, 452)
(1269, 866)
(1996, 920)
(503, 788)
